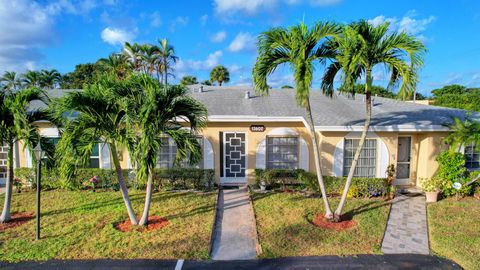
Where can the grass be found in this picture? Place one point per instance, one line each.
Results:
(80, 225)
(284, 228)
(454, 228)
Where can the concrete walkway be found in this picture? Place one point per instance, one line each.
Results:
(407, 226)
(235, 230)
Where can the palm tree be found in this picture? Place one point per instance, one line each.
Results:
(299, 47)
(464, 134)
(219, 74)
(10, 80)
(150, 58)
(133, 52)
(357, 51)
(157, 110)
(50, 78)
(188, 80)
(16, 123)
(117, 64)
(167, 59)
(100, 115)
(31, 78)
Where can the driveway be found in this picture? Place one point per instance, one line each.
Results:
(392, 261)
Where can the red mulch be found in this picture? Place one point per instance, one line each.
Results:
(344, 224)
(17, 219)
(154, 223)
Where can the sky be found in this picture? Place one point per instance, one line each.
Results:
(60, 34)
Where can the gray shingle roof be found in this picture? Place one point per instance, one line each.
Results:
(338, 111)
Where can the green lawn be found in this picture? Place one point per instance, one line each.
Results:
(80, 225)
(284, 228)
(454, 228)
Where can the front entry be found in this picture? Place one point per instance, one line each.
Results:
(403, 161)
(234, 158)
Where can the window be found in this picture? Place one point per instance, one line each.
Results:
(168, 153)
(366, 165)
(3, 161)
(282, 152)
(472, 157)
(95, 157)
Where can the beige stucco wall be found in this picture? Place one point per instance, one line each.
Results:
(425, 146)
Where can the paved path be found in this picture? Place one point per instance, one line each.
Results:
(407, 226)
(235, 231)
(387, 262)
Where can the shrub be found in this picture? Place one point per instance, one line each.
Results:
(361, 187)
(431, 184)
(451, 169)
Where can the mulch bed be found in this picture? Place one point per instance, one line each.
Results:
(17, 219)
(345, 223)
(154, 223)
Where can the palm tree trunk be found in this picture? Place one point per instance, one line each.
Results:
(148, 199)
(5, 217)
(318, 168)
(368, 117)
(123, 186)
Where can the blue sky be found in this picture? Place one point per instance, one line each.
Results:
(60, 34)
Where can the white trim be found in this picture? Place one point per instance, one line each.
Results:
(383, 159)
(282, 132)
(404, 128)
(104, 160)
(261, 156)
(208, 154)
(51, 132)
(304, 155)
(337, 168)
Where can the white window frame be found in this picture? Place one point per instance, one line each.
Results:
(267, 157)
(97, 157)
(346, 169)
(472, 154)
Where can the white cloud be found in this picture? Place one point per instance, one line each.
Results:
(179, 21)
(243, 41)
(253, 6)
(408, 23)
(116, 36)
(25, 27)
(82, 7)
(213, 59)
(155, 19)
(235, 69)
(203, 19)
(218, 37)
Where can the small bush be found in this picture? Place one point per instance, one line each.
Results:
(361, 187)
(451, 169)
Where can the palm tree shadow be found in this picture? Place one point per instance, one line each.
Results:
(371, 205)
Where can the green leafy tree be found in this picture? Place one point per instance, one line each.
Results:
(133, 52)
(10, 81)
(167, 59)
(99, 115)
(83, 74)
(457, 96)
(17, 124)
(220, 75)
(188, 80)
(31, 79)
(117, 64)
(298, 47)
(360, 48)
(156, 110)
(49, 79)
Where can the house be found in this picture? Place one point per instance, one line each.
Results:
(246, 131)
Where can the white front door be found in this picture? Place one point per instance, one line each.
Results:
(403, 161)
(234, 158)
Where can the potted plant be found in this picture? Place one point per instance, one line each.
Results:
(390, 188)
(431, 187)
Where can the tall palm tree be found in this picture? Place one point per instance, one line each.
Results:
(31, 78)
(219, 74)
(16, 123)
(463, 133)
(156, 110)
(360, 48)
(117, 64)
(167, 59)
(10, 80)
(150, 58)
(298, 47)
(50, 78)
(134, 54)
(99, 116)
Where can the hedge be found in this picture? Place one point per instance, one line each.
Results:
(107, 179)
(361, 187)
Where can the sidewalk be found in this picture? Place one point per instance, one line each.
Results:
(235, 232)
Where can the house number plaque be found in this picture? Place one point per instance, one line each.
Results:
(257, 128)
